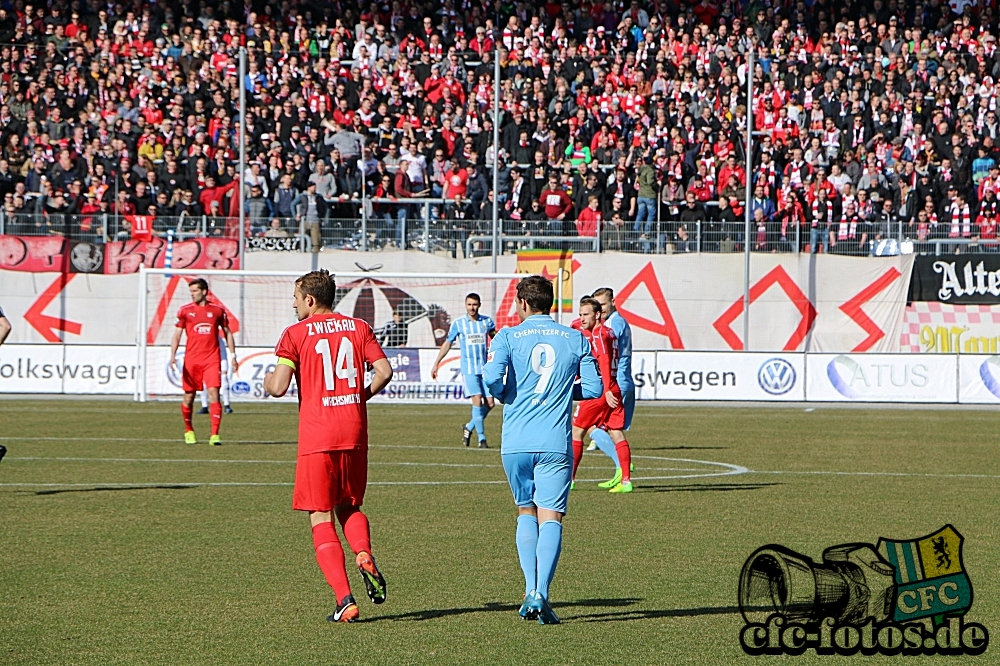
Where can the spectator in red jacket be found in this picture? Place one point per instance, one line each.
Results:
(558, 205)
(589, 219)
(212, 193)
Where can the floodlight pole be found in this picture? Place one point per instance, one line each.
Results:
(746, 207)
(243, 155)
(496, 151)
(241, 189)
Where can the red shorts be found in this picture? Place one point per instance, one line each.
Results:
(597, 413)
(197, 376)
(327, 479)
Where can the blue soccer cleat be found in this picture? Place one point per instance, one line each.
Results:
(527, 612)
(543, 610)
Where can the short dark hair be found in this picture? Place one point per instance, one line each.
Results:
(594, 304)
(474, 296)
(201, 283)
(318, 284)
(604, 291)
(537, 292)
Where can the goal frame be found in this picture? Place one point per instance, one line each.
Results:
(141, 394)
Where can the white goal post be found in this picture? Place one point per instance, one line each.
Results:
(260, 307)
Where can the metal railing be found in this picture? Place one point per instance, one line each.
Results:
(428, 226)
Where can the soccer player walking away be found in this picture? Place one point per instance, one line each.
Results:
(607, 412)
(473, 331)
(623, 332)
(203, 323)
(327, 353)
(532, 369)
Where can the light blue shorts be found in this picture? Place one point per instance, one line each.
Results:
(474, 385)
(628, 400)
(539, 479)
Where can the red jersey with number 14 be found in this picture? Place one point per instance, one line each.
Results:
(203, 325)
(330, 353)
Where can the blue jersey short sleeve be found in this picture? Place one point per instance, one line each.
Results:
(623, 332)
(472, 335)
(453, 331)
(532, 369)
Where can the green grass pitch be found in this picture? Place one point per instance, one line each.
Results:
(119, 562)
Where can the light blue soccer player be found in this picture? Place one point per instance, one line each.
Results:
(473, 332)
(616, 322)
(532, 369)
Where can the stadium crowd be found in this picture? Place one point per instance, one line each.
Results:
(873, 119)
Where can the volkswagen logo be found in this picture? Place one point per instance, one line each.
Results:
(776, 376)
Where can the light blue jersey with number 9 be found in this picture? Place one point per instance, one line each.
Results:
(532, 369)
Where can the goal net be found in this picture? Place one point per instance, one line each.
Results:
(259, 305)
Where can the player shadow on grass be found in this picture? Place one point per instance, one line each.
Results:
(58, 491)
(703, 487)
(651, 614)
(494, 607)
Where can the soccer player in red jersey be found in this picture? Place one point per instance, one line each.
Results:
(203, 322)
(327, 354)
(606, 412)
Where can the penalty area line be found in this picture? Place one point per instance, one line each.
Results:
(931, 475)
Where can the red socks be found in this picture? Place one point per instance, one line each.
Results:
(357, 532)
(215, 412)
(330, 556)
(624, 459)
(186, 413)
(577, 454)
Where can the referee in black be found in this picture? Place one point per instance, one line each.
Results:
(395, 333)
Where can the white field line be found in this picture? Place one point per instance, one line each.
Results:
(728, 470)
(929, 475)
(292, 462)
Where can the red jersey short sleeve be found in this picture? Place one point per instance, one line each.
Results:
(202, 324)
(331, 353)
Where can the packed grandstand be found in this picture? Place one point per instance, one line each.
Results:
(622, 124)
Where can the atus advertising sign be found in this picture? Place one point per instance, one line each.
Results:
(979, 379)
(881, 378)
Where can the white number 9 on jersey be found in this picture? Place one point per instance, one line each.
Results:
(543, 360)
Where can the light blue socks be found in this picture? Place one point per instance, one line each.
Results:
(604, 443)
(549, 547)
(527, 544)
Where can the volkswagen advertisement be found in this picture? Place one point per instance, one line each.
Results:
(723, 376)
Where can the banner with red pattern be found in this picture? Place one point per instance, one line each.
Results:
(45, 254)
